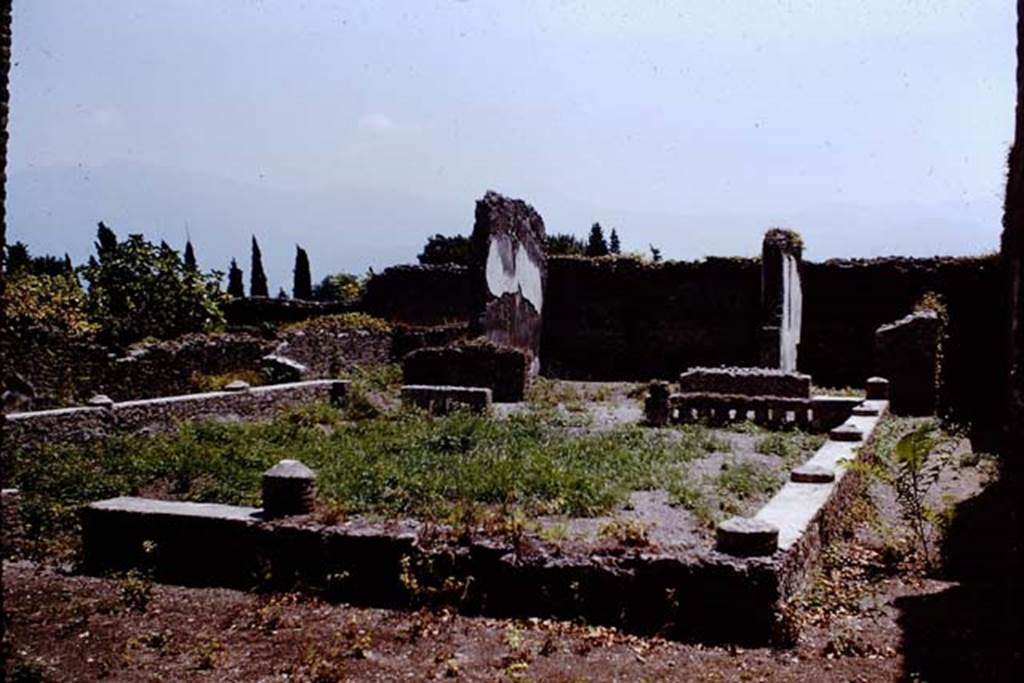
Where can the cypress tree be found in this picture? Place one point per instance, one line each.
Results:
(106, 240)
(303, 283)
(596, 244)
(613, 243)
(257, 278)
(18, 257)
(235, 286)
(190, 256)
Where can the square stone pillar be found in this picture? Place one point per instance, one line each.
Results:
(781, 299)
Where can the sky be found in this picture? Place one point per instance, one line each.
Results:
(357, 129)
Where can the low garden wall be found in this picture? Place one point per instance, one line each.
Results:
(81, 424)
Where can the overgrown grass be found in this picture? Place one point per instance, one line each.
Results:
(405, 464)
(203, 382)
(792, 447)
(341, 322)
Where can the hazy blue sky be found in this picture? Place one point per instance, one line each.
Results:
(358, 128)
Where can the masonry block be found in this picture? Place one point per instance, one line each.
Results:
(907, 354)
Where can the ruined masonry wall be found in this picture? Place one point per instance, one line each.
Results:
(83, 424)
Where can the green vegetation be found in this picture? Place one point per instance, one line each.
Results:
(302, 284)
(906, 455)
(341, 322)
(857, 392)
(564, 244)
(201, 381)
(596, 243)
(792, 447)
(257, 276)
(56, 302)
(440, 250)
(747, 479)
(406, 464)
(137, 289)
(344, 287)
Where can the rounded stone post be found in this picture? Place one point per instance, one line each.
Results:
(746, 537)
(656, 406)
(877, 389)
(289, 488)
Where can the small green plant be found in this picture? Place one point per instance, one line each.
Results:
(689, 495)
(203, 382)
(135, 590)
(899, 457)
(554, 533)
(912, 480)
(746, 479)
(792, 447)
(205, 653)
(626, 531)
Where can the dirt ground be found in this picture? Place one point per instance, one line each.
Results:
(871, 615)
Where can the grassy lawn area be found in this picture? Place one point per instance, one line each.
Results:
(407, 463)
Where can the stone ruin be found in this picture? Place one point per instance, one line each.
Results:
(907, 352)
(765, 396)
(508, 276)
(781, 299)
(508, 247)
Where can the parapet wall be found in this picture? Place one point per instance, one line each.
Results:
(254, 311)
(85, 423)
(618, 318)
(422, 295)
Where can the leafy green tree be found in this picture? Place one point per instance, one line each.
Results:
(257, 277)
(303, 283)
(613, 243)
(565, 245)
(655, 253)
(281, 294)
(140, 290)
(597, 245)
(344, 287)
(56, 302)
(441, 250)
(235, 286)
(20, 260)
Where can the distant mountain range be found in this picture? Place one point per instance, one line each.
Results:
(55, 210)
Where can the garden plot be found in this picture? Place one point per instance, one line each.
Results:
(568, 467)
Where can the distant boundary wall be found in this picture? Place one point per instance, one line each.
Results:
(622, 319)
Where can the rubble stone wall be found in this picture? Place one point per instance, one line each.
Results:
(82, 424)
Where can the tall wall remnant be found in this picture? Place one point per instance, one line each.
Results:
(781, 299)
(907, 354)
(511, 270)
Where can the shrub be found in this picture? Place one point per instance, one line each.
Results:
(56, 302)
(341, 322)
(344, 287)
(137, 289)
